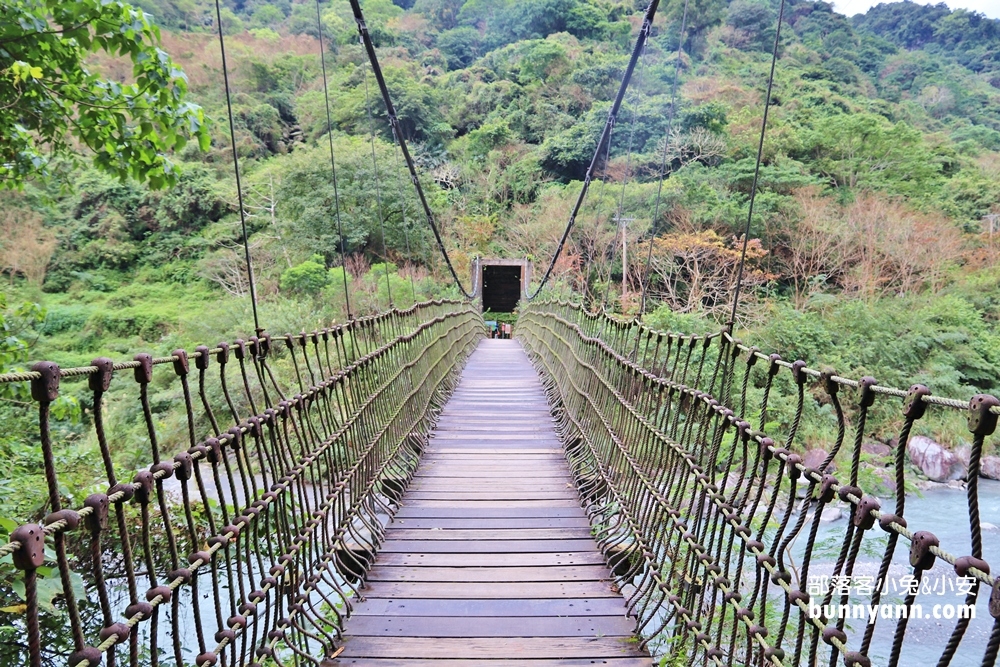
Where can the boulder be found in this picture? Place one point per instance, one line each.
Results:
(877, 449)
(936, 462)
(963, 453)
(831, 514)
(989, 467)
(887, 479)
(814, 458)
(731, 481)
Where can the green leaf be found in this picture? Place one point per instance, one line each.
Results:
(17, 586)
(48, 589)
(114, 121)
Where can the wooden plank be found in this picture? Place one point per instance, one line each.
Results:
(497, 425)
(503, 480)
(450, 449)
(490, 647)
(487, 546)
(507, 535)
(489, 607)
(466, 436)
(550, 464)
(502, 445)
(439, 485)
(496, 469)
(478, 573)
(495, 475)
(490, 560)
(491, 626)
(477, 414)
(555, 662)
(417, 495)
(448, 474)
(509, 475)
(496, 446)
(518, 590)
(495, 504)
(549, 461)
(476, 456)
(478, 510)
(493, 522)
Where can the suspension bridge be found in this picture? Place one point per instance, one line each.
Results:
(400, 490)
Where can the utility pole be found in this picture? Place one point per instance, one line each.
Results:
(623, 226)
(990, 224)
(991, 220)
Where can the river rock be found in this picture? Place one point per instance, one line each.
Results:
(831, 514)
(936, 462)
(989, 527)
(989, 467)
(877, 449)
(731, 481)
(887, 479)
(963, 453)
(814, 457)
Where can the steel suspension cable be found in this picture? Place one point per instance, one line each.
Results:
(640, 43)
(621, 198)
(663, 159)
(366, 40)
(333, 165)
(236, 169)
(756, 170)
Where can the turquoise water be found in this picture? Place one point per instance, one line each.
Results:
(944, 512)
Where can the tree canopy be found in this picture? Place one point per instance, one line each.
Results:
(55, 102)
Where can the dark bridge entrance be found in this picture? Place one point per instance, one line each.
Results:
(503, 281)
(501, 288)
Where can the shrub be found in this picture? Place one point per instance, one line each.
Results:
(309, 277)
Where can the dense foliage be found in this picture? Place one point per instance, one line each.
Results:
(53, 99)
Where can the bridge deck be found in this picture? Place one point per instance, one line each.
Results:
(490, 557)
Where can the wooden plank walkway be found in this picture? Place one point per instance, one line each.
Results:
(490, 560)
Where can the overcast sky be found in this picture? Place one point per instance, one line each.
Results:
(989, 7)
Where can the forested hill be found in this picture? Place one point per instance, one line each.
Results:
(966, 37)
(880, 181)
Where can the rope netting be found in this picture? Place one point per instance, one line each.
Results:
(249, 543)
(710, 520)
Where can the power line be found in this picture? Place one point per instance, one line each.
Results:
(620, 219)
(663, 159)
(756, 170)
(378, 191)
(236, 168)
(333, 166)
(366, 40)
(640, 43)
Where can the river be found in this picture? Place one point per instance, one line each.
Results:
(944, 512)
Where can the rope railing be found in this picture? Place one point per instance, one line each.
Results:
(701, 513)
(630, 334)
(248, 544)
